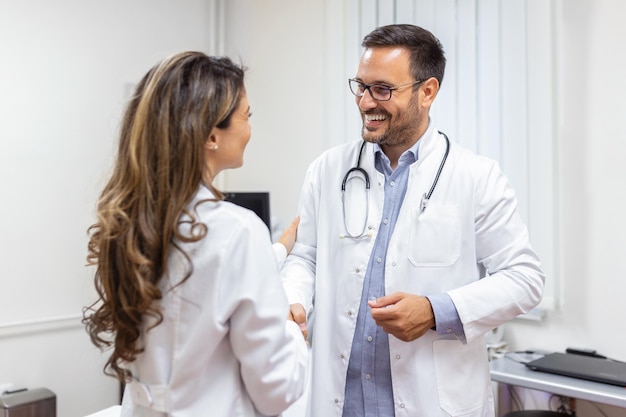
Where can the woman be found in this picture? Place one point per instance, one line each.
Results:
(190, 297)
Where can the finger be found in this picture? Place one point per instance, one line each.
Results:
(297, 312)
(295, 222)
(289, 235)
(298, 315)
(384, 314)
(293, 226)
(386, 300)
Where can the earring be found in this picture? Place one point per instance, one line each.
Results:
(214, 147)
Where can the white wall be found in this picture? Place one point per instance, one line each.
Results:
(63, 77)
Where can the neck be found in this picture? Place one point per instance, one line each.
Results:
(394, 152)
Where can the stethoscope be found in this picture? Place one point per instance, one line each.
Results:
(366, 179)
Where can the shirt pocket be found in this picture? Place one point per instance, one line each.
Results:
(462, 373)
(435, 236)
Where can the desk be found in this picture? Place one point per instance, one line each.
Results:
(508, 371)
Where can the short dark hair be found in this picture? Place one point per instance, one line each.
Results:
(427, 56)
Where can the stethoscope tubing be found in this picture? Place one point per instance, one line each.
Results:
(357, 168)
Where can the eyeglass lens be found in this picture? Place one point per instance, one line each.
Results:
(378, 92)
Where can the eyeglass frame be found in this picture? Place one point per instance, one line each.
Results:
(367, 87)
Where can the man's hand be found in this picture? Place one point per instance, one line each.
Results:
(298, 315)
(406, 316)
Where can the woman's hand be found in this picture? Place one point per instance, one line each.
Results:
(288, 238)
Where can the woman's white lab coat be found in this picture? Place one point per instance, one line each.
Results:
(224, 347)
(469, 242)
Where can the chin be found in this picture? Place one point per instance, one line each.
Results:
(373, 137)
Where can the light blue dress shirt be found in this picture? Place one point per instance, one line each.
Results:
(369, 390)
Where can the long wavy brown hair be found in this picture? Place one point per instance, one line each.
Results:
(159, 166)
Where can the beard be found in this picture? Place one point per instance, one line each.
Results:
(403, 128)
(398, 135)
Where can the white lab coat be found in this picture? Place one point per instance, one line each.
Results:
(469, 242)
(225, 347)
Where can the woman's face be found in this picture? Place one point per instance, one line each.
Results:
(225, 147)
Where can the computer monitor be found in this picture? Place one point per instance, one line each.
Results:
(257, 201)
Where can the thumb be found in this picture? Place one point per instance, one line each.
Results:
(385, 300)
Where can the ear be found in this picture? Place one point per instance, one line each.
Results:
(212, 143)
(430, 88)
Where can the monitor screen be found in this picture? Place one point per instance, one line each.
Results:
(258, 202)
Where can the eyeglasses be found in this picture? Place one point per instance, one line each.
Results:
(378, 92)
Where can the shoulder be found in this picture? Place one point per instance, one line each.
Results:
(234, 220)
(471, 162)
(223, 219)
(337, 156)
(478, 174)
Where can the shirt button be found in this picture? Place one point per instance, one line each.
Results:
(379, 260)
(397, 356)
(369, 338)
(449, 331)
(392, 183)
(386, 221)
(367, 376)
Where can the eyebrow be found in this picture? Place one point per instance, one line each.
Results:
(378, 82)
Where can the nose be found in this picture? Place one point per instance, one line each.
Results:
(366, 102)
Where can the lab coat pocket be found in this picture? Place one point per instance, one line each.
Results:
(462, 376)
(435, 236)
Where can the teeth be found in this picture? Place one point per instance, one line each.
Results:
(371, 117)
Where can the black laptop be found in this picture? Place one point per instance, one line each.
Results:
(582, 367)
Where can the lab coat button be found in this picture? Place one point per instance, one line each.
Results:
(358, 270)
(393, 263)
(401, 405)
(350, 313)
(397, 356)
(336, 400)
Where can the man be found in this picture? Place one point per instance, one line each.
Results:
(403, 280)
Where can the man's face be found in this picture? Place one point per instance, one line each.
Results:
(399, 121)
